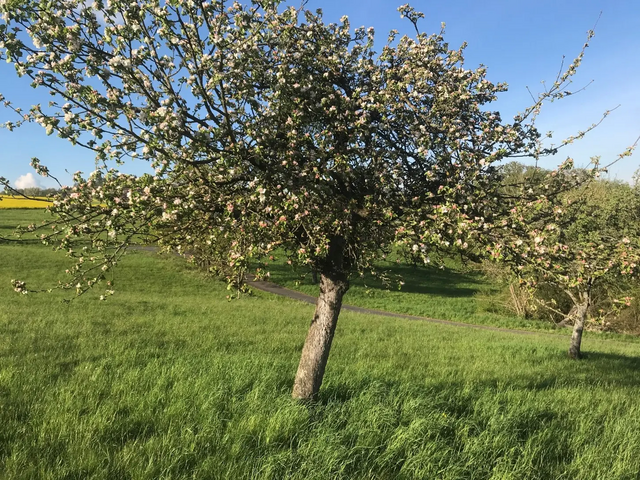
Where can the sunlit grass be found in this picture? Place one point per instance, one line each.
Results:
(167, 379)
(450, 293)
(8, 201)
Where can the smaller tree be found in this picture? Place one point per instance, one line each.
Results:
(581, 241)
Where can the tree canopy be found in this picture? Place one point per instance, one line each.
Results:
(267, 128)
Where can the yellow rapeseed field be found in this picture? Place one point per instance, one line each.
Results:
(7, 201)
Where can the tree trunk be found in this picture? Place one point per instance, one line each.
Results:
(578, 326)
(334, 284)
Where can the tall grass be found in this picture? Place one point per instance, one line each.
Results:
(169, 380)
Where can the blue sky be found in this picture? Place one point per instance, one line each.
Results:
(521, 43)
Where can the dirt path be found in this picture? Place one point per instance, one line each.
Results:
(275, 289)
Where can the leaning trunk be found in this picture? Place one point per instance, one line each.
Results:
(578, 326)
(334, 283)
(318, 343)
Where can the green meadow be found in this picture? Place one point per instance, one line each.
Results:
(452, 291)
(169, 380)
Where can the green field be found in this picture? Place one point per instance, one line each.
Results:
(458, 292)
(167, 379)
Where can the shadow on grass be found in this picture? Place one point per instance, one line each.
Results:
(417, 279)
(612, 368)
(8, 240)
(598, 369)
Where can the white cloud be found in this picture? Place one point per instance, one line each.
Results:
(100, 16)
(27, 181)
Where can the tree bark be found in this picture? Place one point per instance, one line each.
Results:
(334, 284)
(578, 326)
